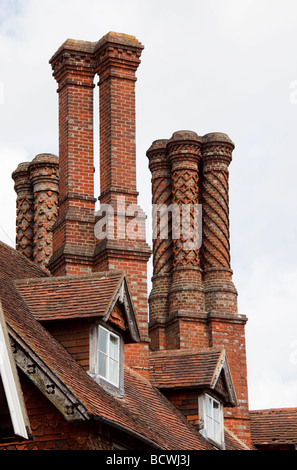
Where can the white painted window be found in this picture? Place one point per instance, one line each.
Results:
(108, 363)
(211, 419)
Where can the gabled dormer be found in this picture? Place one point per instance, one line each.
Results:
(199, 384)
(91, 315)
(13, 416)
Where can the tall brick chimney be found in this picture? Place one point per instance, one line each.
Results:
(226, 325)
(73, 233)
(117, 57)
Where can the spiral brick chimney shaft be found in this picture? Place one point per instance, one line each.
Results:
(44, 175)
(160, 168)
(36, 185)
(24, 210)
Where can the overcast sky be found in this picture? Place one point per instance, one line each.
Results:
(208, 65)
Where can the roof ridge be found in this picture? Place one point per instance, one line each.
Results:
(293, 408)
(71, 277)
(185, 352)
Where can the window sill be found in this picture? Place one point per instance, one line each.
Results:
(108, 386)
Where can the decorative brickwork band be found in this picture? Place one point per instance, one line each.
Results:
(44, 175)
(24, 210)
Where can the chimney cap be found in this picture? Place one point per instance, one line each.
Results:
(118, 38)
(185, 135)
(219, 137)
(45, 158)
(21, 168)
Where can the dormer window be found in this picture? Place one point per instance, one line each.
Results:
(108, 356)
(211, 419)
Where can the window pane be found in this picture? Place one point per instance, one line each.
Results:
(217, 432)
(113, 371)
(102, 364)
(103, 340)
(208, 406)
(216, 411)
(114, 347)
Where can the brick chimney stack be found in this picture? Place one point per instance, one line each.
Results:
(117, 57)
(24, 210)
(73, 233)
(44, 176)
(160, 167)
(186, 298)
(36, 185)
(221, 295)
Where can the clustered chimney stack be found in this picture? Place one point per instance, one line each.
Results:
(190, 177)
(76, 247)
(193, 302)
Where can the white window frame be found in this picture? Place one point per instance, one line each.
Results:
(211, 421)
(108, 356)
(113, 386)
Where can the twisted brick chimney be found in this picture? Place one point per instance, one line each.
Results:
(193, 302)
(36, 185)
(24, 210)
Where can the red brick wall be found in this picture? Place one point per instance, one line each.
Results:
(49, 428)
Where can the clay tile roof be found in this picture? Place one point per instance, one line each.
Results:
(184, 368)
(55, 298)
(274, 426)
(143, 411)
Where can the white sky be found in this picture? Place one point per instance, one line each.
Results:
(207, 66)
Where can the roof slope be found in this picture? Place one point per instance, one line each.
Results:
(143, 410)
(167, 368)
(56, 298)
(274, 426)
